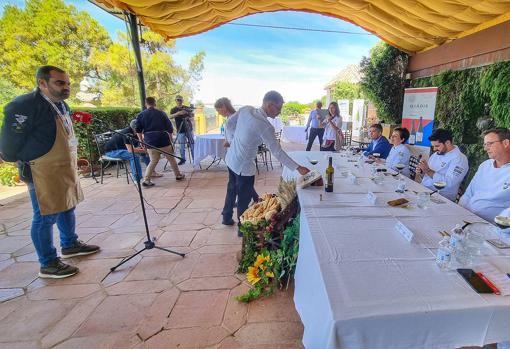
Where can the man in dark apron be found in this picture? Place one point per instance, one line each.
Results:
(38, 135)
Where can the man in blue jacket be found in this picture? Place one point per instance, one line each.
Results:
(379, 143)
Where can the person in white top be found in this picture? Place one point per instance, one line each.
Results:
(447, 164)
(399, 153)
(489, 191)
(224, 107)
(246, 130)
(332, 129)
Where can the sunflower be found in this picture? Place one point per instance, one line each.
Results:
(252, 275)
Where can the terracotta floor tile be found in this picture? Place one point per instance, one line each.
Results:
(184, 268)
(117, 313)
(270, 333)
(114, 242)
(11, 244)
(10, 293)
(156, 317)
(277, 307)
(224, 236)
(198, 309)
(99, 221)
(231, 248)
(209, 283)
(72, 320)
(176, 238)
(215, 265)
(190, 218)
(31, 320)
(152, 268)
(107, 341)
(235, 313)
(91, 270)
(20, 345)
(19, 274)
(187, 338)
(138, 287)
(63, 292)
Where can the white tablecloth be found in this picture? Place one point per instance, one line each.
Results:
(208, 145)
(360, 284)
(294, 134)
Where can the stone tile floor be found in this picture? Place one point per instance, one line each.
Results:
(156, 300)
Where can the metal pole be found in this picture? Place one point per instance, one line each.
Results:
(135, 41)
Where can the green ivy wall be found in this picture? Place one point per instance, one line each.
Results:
(461, 98)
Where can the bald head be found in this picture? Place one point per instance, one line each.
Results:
(272, 104)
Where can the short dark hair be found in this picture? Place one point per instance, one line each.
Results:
(224, 102)
(44, 72)
(441, 135)
(502, 133)
(376, 126)
(403, 132)
(319, 103)
(150, 101)
(273, 96)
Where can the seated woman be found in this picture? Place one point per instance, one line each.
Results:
(333, 137)
(399, 153)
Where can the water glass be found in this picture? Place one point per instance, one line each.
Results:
(378, 178)
(401, 185)
(474, 241)
(423, 200)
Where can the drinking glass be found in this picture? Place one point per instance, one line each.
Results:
(423, 200)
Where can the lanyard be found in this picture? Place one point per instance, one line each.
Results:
(66, 120)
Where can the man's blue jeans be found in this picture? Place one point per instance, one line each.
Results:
(126, 155)
(181, 139)
(42, 230)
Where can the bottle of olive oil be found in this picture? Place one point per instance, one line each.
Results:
(330, 172)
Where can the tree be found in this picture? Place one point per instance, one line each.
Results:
(115, 72)
(47, 32)
(383, 80)
(345, 90)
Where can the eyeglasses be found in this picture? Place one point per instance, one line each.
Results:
(178, 100)
(489, 144)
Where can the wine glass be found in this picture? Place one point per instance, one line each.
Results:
(313, 161)
(502, 222)
(439, 185)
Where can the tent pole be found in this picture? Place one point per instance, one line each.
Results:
(135, 41)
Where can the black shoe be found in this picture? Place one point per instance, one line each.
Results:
(79, 249)
(181, 162)
(228, 221)
(57, 270)
(239, 234)
(180, 177)
(147, 184)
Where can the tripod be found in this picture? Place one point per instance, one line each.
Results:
(188, 135)
(149, 243)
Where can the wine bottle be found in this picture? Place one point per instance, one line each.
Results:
(412, 136)
(419, 133)
(330, 171)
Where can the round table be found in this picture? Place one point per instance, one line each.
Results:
(209, 145)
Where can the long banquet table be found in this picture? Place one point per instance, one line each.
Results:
(360, 284)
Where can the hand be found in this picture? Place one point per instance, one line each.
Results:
(306, 129)
(226, 144)
(423, 166)
(377, 160)
(182, 112)
(302, 170)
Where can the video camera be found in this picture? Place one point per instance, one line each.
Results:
(189, 109)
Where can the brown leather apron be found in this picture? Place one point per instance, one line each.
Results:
(55, 174)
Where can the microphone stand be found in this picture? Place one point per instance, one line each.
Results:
(149, 244)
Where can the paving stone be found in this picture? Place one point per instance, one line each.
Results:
(138, 287)
(209, 283)
(187, 338)
(11, 244)
(198, 309)
(176, 238)
(151, 268)
(235, 313)
(106, 341)
(220, 264)
(220, 249)
(20, 345)
(91, 270)
(18, 274)
(10, 293)
(270, 333)
(117, 313)
(224, 236)
(156, 317)
(98, 221)
(184, 267)
(32, 319)
(63, 292)
(277, 307)
(72, 320)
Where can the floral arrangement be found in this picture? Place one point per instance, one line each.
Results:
(261, 276)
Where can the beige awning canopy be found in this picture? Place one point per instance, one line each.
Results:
(411, 25)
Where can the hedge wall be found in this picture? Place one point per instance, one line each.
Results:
(114, 118)
(461, 98)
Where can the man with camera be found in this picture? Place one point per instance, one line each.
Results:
(183, 122)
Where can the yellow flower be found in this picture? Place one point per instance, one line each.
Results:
(252, 275)
(270, 274)
(260, 259)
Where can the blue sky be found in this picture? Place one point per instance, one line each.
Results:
(243, 63)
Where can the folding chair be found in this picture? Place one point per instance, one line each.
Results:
(105, 160)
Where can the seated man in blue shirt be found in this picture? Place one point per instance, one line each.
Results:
(379, 143)
(119, 146)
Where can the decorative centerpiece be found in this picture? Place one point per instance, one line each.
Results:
(270, 241)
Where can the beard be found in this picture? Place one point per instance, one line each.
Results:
(63, 94)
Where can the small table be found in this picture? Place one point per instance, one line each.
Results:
(209, 145)
(294, 134)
